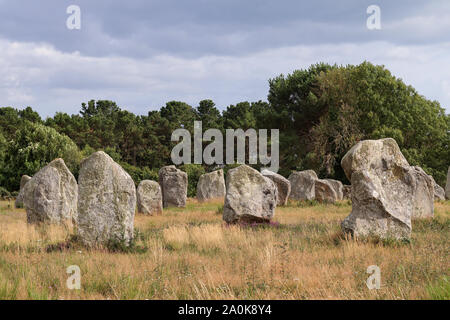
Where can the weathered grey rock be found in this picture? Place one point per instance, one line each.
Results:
(303, 185)
(211, 186)
(174, 184)
(283, 186)
(338, 188)
(347, 190)
(325, 191)
(423, 195)
(447, 186)
(439, 192)
(250, 197)
(149, 197)
(106, 203)
(51, 195)
(19, 200)
(383, 188)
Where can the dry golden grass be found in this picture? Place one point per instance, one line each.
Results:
(191, 254)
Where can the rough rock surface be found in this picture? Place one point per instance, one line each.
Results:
(174, 184)
(19, 200)
(303, 185)
(283, 186)
(383, 188)
(106, 202)
(250, 197)
(211, 186)
(447, 186)
(149, 197)
(325, 191)
(338, 188)
(439, 192)
(347, 192)
(423, 195)
(51, 195)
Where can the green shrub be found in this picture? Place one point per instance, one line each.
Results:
(33, 148)
(194, 171)
(139, 174)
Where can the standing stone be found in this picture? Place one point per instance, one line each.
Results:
(439, 192)
(51, 195)
(447, 186)
(383, 188)
(325, 191)
(149, 197)
(211, 186)
(338, 188)
(423, 195)
(303, 185)
(23, 181)
(250, 197)
(106, 203)
(283, 186)
(347, 190)
(174, 184)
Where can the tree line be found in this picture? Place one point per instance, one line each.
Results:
(321, 113)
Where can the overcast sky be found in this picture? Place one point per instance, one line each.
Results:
(143, 53)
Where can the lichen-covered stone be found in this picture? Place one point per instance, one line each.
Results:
(423, 194)
(303, 185)
(51, 195)
(149, 197)
(325, 191)
(338, 188)
(211, 186)
(174, 184)
(106, 203)
(283, 186)
(19, 200)
(250, 196)
(377, 213)
(383, 189)
(439, 192)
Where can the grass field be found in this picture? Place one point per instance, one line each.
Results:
(191, 254)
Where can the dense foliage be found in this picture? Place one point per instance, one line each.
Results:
(321, 112)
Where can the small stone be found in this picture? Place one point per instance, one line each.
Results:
(303, 185)
(149, 197)
(283, 186)
(211, 186)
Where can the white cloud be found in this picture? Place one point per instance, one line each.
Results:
(49, 80)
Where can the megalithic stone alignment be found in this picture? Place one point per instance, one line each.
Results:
(174, 184)
(250, 197)
(106, 202)
(283, 186)
(149, 197)
(303, 185)
(338, 188)
(386, 191)
(211, 186)
(51, 195)
(19, 200)
(325, 191)
(423, 195)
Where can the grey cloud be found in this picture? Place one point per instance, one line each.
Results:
(144, 53)
(193, 28)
